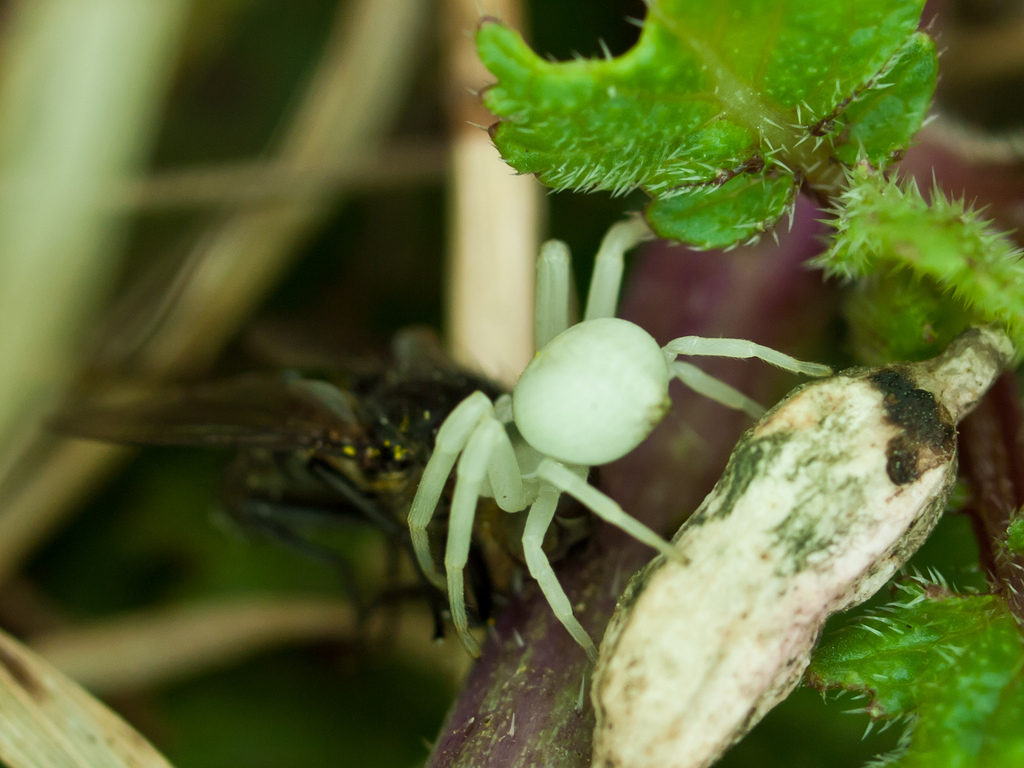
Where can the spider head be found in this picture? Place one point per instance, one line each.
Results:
(593, 393)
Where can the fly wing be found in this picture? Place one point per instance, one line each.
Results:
(272, 411)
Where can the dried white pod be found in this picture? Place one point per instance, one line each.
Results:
(822, 500)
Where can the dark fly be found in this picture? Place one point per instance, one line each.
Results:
(316, 450)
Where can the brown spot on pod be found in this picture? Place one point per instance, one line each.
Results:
(927, 435)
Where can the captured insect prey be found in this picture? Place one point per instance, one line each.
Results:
(315, 454)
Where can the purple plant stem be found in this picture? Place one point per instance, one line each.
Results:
(518, 706)
(990, 438)
(992, 460)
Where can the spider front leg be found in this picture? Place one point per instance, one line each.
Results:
(606, 281)
(488, 453)
(714, 389)
(741, 348)
(555, 293)
(451, 439)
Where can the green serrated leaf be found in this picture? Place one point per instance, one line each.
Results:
(718, 217)
(935, 268)
(716, 88)
(953, 665)
(879, 124)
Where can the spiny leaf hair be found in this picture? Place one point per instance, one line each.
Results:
(942, 252)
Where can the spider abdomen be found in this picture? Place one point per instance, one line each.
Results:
(593, 393)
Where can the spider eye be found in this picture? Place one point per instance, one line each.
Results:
(593, 393)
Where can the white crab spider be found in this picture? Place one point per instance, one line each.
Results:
(592, 393)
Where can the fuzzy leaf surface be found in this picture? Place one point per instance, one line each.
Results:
(952, 665)
(714, 89)
(714, 217)
(934, 267)
(1015, 534)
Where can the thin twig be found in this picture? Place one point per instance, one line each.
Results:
(260, 182)
(496, 217)
(136, 651)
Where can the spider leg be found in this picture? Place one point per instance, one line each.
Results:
(474, 465)
(451, 439)
(503, 408)
(540, 516)
(715, 389)
(603, 506)
(603, 296)
(698, 345)
(503, 474)
(554, 292)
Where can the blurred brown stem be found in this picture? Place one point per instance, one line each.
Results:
(496, 216)
(399, 164)
(142, 649)
(992, 459)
